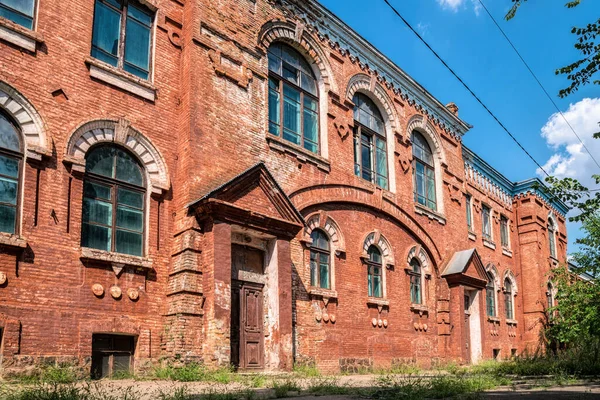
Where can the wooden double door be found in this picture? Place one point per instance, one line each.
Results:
(247, 320)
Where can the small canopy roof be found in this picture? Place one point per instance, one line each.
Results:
(465, 268)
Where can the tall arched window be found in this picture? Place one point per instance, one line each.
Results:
(113, 201)
(508, 299)
(293, 98)
(375, 264)
(550, 295)
(490, 296)
(423, 172)
(552, 237)
(320, 260)
(415, 274)
(11, 155)
(370, 151)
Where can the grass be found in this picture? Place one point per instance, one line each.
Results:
(195, 373)
(282, 388)
(307, 371)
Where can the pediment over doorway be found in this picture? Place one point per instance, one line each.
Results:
(252, 198)
(465, 268)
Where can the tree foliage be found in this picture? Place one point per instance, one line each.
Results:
(584, 70)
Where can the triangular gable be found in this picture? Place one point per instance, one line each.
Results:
(465, 267)
(254, 194)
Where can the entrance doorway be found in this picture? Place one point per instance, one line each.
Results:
(472, 326)
(247, 311)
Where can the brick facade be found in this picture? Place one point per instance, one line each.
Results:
(215, 178)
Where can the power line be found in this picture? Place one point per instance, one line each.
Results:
(471, 91)
(466, 87)
(537, 80)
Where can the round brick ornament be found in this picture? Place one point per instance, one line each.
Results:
(425, 327)
(326, 317)
(115, 292)
(318, 316)
(380, 323)
(133, 294)
(374, 321)
(3, 278)
(97, 289)
(332, 318)
(385, 323)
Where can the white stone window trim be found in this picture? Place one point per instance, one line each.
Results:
(376, 238)
(326, 224)
(508, 247)
(121, 79)
(20, 36)
(422, 125)
(491, 269)
(420, 254)
(554, 233)
(513, 281)
(488, 242)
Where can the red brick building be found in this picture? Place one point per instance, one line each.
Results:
(247, 182)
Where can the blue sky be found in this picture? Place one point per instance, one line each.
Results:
(464, 35)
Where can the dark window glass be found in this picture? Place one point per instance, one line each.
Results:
(550, 295)
(113, 202)
(375, 265)
(490, 296)
(423, 172)
(10, 161)
(18, 11)
(415, 282)
(508, 299)
(291, 80)
(486, 223)
(469, 212)
(319, 260)
(122, 35)
(370, 151)
(504, 231)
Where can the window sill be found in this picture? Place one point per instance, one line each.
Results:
(511, 322)
(472, 236)
(493, 319)
(115, 259)
(300, 153)
(378, 301)
(507, 252)
(553, 260)
(320, 292)
(19, 36)
(123, 80)
(13, 241)
(420, 308)
(419, 209)
(489, 244)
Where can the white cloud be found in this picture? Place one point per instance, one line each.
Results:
(423, 28)
(455, 5)
(570, 158)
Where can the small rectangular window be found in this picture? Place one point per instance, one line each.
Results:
(111, 355)
(487, 223)
(18, 11)
(122, 34)
(504, 231)
(496, 354)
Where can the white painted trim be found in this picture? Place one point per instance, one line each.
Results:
(122, 82)
(18, 39)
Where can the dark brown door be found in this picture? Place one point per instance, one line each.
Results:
(247, 339)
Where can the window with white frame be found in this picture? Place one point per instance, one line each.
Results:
(423, 172)
(508, 299)
(320, 258)
(490, 295)
(552, 237)
(504, 232)
(375, 266)
(416, 290)
(469, 209)
(21, 12)
(486, 220)
(11, 159)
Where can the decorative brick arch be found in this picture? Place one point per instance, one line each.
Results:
(121, 132)
(421, 124)
(491, 268)
(420, 254)
(311, 196)
(369, 86)
(36, 142)
(324, 222)
(298, 37)
(376, 238)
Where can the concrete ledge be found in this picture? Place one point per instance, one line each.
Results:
(489, 244)
(283, 146)
(511, 321)
(115, 258)
(419, 209)
(378, 301)
(317, 291)
(19, 35)
(8, 240)
(121, 79)
(507, 252)
(472, 236)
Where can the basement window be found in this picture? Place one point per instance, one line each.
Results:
(496, 354)
(112, 355)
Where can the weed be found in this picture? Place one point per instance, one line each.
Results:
(281, 389)
(306, 371)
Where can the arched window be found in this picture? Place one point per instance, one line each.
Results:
(113, 201)
(11, 155)
(320, 260)
(293, 98)
(490, 296)
(374, 264)
(508, 299)
(370, 154)
(415, 282)
(552, 237)
(423, 172)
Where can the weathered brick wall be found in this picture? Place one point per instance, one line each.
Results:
(209, 123)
